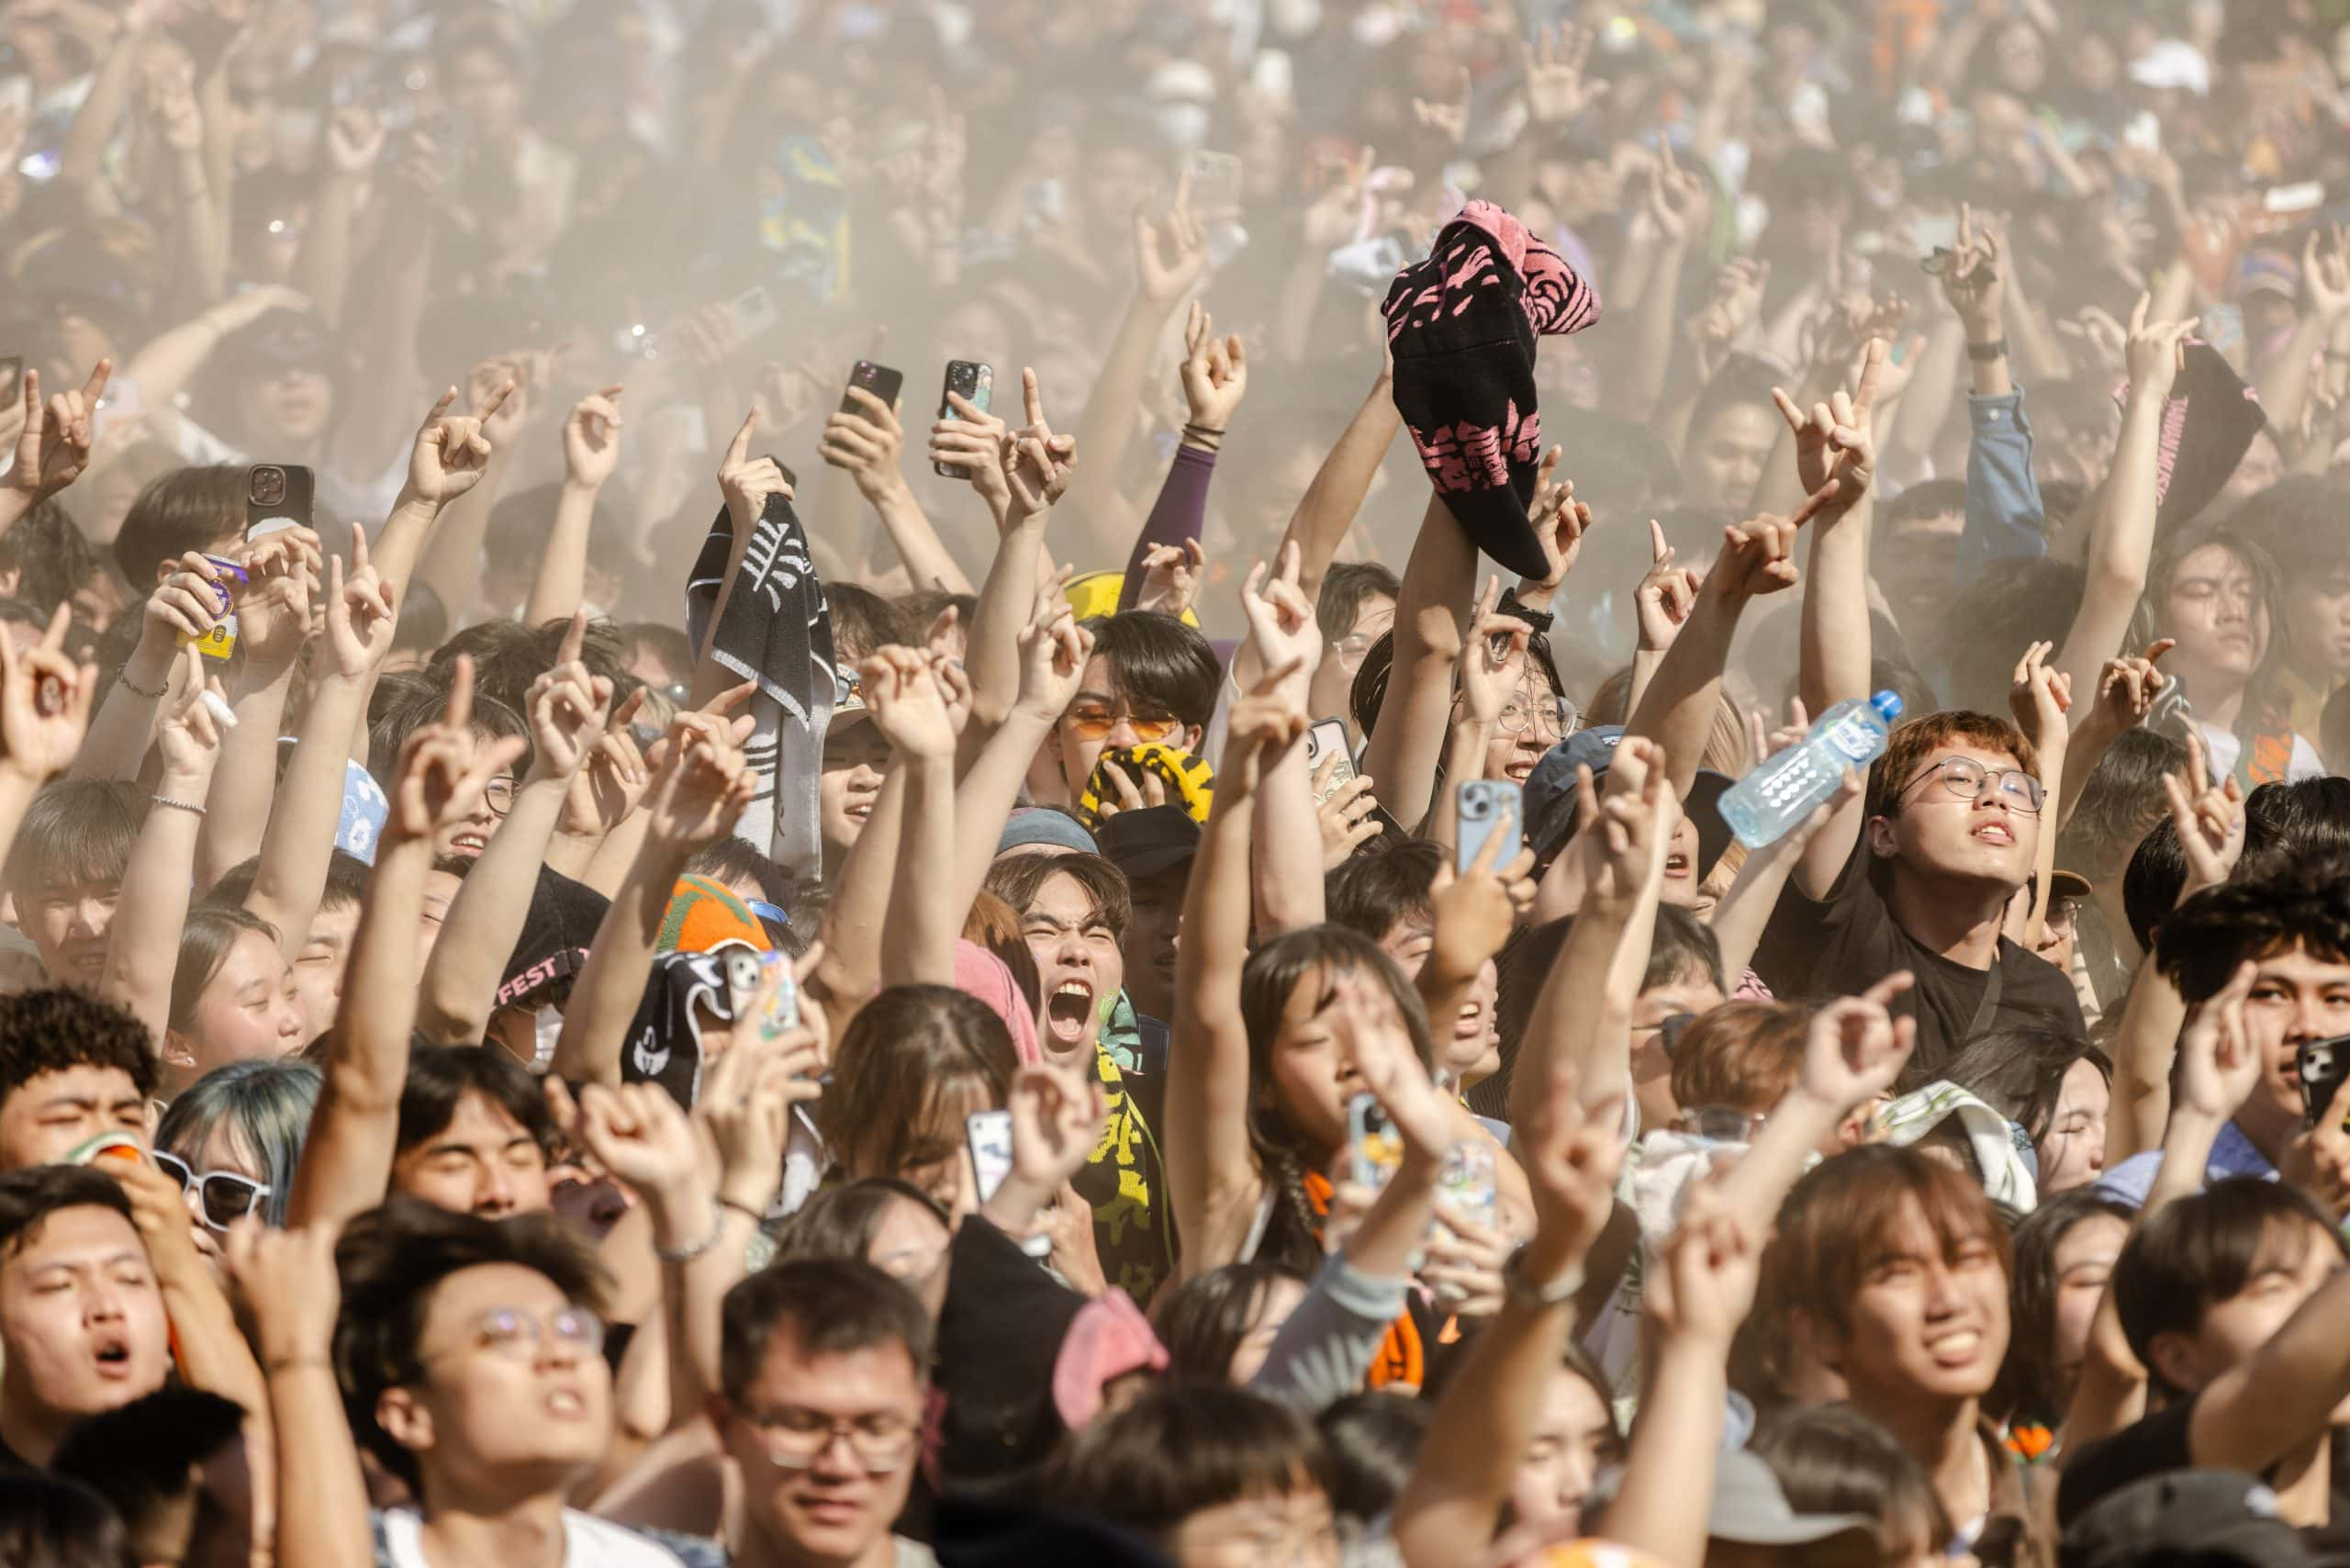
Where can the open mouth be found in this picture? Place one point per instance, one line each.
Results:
(1956, 1349)
(112, 1353)
(1677, 865)
(565, 1405)
(1068, 1011)
(468, 843)
(1994, 832)
(1471, 1024)
(1519, 770)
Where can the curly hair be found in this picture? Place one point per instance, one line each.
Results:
(58, 1028)
(2299, 905)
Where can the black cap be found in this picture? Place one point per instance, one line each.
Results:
(556, 932)
(1147, 841)
(2191, 1518)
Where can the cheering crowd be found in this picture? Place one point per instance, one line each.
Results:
(1579, 802)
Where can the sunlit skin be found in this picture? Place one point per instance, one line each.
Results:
(1078, 960)
(835, 1510)
(1573, 1435)
(483, 1162)
(82, 1322)
(51, 1114)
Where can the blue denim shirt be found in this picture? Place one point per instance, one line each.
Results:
(2005, 517)
(2232, 1155)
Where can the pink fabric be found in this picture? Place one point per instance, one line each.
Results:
(1108, 1339)
(989, 978)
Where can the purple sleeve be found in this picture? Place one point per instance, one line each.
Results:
(1178, 514)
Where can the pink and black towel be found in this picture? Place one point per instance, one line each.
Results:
(1462, 326)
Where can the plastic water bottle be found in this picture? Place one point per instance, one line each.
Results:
(1766, 805)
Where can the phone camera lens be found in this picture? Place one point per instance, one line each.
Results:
(269, 487)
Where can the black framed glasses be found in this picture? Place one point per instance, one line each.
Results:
(1966, 780)
(499, 795)
(795, 1440)
(223, 1197)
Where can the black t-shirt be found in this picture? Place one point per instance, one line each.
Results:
(1847, 941)
(2160, 1443)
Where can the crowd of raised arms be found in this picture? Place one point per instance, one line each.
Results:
(1214, 783)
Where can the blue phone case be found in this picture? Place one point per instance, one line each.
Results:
(1480, 804)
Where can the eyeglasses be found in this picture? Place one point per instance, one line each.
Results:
(1355, 646)
(1967, 778)
(517, 1335)
(795, 1440)
(1553, 716)
(1093, 722)
(499, 795)
(1720, 1123)
(222, 1196)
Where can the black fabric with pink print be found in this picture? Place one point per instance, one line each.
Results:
(1462, 326)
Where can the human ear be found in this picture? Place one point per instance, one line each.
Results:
(1881, 840)
(405, 1420)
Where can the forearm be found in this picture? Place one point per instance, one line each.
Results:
(1565, 1025)
(81, 157)
(928, 561)
(684, 1215)
(1328, 509)
(1108, 424)
(460, 987)
(203, 235)
(1835, 648)
(2005, 517)
(611, 983)
(2142, 1047)
(143, 944)
(1744, 912)
(1006, 600)
(2284, 384)
(1796, 1125)
(325, 265)
(1677, 711)
(853, 922)
(298, 845)
(210, 1349)
(1208, 1158)
(1431, 609)
(2259, 1410)
(382, 399)
(561, 583)
(1178, 514)
(450, 559)
(1467, 745)
(1674, 1449)
(2121, 538)
(1652, 331)
(116, 746)
(246, 780)
(1286, 847)
(322, 1509)
(920, 930)
(2051, 763)
(1918, 419)
(16, 792)
(984, 797)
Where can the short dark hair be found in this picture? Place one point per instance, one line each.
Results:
(1345, 585)
(1831, 1459)
(910, 1049)
(508, 657)
(863, 622)
(30, 1196)
(346, 884)
(393, 1258)
(2030, 1388)
(2298, 520)
(2197, 1252)
(440, 1076)
(188, 508)
(1157, 662)
(1203, 1320)
(55, 1028)
(51, 557)
(49, 1521)
(2019, 1070)
(1183, 1448)
(2008, 604)
(137, 1456)
(2156, 874)
(664, 643)
(2121, 800)
(840, 1221)
(2307, 817)
(1373, 1439)
(828, 1307)
(1839, 1213)
(1019, 878)
(2301, 904)
(1370, 891)
(1682, 945)
(404, 705)
(76, 831)
(1932, 497)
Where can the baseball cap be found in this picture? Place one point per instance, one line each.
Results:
(1550, 796)
(2207, 1518)
(1047, 827)
(1146, 842)
(556, 931)
(1750, 1509)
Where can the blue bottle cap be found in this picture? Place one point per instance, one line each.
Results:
(1887, 705)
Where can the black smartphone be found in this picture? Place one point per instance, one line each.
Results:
(878, 379)
(277, 495)
(2321, 1065)
(975, 383)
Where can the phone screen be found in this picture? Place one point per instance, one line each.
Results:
(990, 1133)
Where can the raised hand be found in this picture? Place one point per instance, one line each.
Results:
(1833, 443)
(1625, 837)
(53, 443)
(1373, 1038)
(45, 699)
(2325, 274)
(974, 440)
(636, 1132)
(287, 1281)
(2156, 351)
(1556, 87)
(567, 708)
(1473, 912)
(2040, 695)
(2210, 819)
(746, 1100)
(1767, 742)
(1348, 815)
(189, 737)
(1715, 331)
(1170, 255)
(1856, 1048)
(747, 481)
(868, 445)
(1038, 465)
(2126, 689)
(452, 452)
(1171, 579)
(1711, 1267)
(272, 599)
(1665, 595)
(1280, 621)
(905, 703)
(591, 438)
(1494, 660)
(701, 786)
(1262, 725)
(361, 616)
(1758, 555)
(2219, 1061)
(1560, 522)
(504, 419)
(443, 773)
(1676, 198)
(1215, 372)
(608, 786)
(1056, 1116)
(1572, 1153)
(354, 142)
(1448, 117)
(1053, 652)
(1971, 280)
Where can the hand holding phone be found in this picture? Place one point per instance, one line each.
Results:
(1484, 807)
(878, 379)
(974, 383)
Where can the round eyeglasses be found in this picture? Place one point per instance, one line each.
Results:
(1966, 780)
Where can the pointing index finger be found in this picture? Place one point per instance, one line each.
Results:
(1031, 396)
(1659, 550)
(738, 451)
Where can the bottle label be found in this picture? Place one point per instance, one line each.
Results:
(1853, 739)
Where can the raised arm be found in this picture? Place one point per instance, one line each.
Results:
(1286, 848)
(52, 444)
(2325, 303)
(299, 844)
(143, 945)
(346, 1161)
(503, 400)
(1053, 651)
(1445, 1516)
(182, 611)
(272, 604)
(869, 444)
(1854, 1051)
(1212, 1175)
(354, 149)
(566, 711)
(448, 460)
(2126, 689)
(1832, 449)
(921, 929)
(2121, 527)
(1045, 464)
(1216, 378)
(1439, 580)
(45, 701)
(591, 450)
(697, 797)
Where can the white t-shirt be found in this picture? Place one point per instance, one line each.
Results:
(588, 1543)
(2225, 748)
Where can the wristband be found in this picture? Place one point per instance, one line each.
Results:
(1983, 353)
(687, 1254)
(1558, 1293)
(294, 1363)
(755, 1215)
(1540, 621)
(174, 805)
(122, 679)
